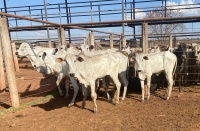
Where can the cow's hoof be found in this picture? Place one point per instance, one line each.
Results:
(83, 106)
(61, 94)
(95, 110)
(70, 105)
(122, 98)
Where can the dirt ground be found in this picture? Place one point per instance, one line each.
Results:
(176, 114)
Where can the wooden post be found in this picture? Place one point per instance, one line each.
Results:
(145, 37)
(49, 43)
(59, 38)
(111, 40)
(61, 35)
(8, 59)
(15, 57)
(123, 41)
(2, 73)
(91, 38)
(170, 41)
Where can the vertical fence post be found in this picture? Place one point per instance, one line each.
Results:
(123, 41)
(8, 59)
(91, 38)
(145, 37)
(170, 41)
(61, 36)
(111, 40)
(2, 73)
(16, 64)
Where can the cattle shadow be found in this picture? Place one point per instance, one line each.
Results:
(46, 85)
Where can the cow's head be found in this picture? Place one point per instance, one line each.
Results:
(24, 50)
(85, 48)
(141, 68)
(41, 65)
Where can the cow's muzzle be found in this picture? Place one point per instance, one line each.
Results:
(72, 74)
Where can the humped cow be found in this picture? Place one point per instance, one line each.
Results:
(155, 63)
(89, 51)
(89, 68)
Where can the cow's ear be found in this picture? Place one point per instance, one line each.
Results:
(59, 60)
(68, 45)
(146, 57)
(45, 53)
(54, 51)
(91, 47)
(80, 59)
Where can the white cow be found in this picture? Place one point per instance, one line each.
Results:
(29, 51)
(155, 63)
(64, 50)
(49, 65)
(89, 51)
(89, 68)
(197, 55)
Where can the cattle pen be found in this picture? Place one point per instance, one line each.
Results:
(103, 24)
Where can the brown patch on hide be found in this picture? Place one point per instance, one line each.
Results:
(68, 45)
(59, 60)
(80, 59)
(145, 57)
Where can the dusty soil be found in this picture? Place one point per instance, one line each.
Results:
(178, 113)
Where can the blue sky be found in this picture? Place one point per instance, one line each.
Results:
(75, 33)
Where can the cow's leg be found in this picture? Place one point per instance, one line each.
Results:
(93, 95)
(169, 78)
(148, 86)
(142, 88)
(106, 88)
(84, 91)
(58, 80)
(125, 84)
(67, 87)
(118, 85)
(76, 88)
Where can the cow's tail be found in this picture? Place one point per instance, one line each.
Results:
(174, 68)
(127, 70)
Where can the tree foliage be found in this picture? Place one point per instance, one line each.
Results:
(162, 31)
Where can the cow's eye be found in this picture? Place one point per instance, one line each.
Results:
(40, 56)
(61, 48)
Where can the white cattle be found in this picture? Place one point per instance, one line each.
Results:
(49, 65)
(197, 50)
(64, 50)
(89, 68)
(29, 51)
(89, 51)
(155, 63)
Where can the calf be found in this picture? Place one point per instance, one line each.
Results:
(155, 63)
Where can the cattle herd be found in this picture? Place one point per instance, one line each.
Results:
(84, 66)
